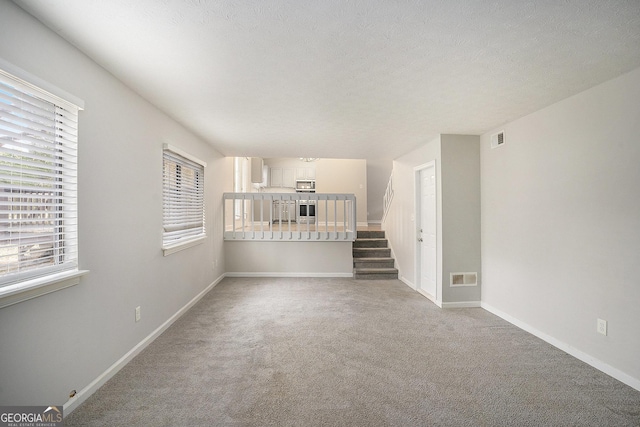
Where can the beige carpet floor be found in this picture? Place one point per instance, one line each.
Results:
(341, 352)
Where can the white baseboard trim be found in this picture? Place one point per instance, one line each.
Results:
(429, 297)
(420, 291)
(94, 385)
(284, 274)
(461, 304)
(580, 355)
(375, 221)
(362, 224)
(407, 282)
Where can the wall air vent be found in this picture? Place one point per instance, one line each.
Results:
(497, 139)
(464, 279)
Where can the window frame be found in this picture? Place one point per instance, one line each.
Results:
(199, 168)
(22, 286)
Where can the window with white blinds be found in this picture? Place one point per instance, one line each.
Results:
(38, 182)
(183, 199)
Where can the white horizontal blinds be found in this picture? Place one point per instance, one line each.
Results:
(183, 199)
(38, 182)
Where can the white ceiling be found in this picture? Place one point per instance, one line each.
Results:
(349, 78)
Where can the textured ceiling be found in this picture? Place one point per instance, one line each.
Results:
(349, 78)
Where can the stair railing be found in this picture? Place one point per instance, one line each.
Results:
(388, 197)
(289, 216)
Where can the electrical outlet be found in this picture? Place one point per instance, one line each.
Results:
(138, 315)
(602, 327)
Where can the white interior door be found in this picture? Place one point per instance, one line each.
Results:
(427, 231)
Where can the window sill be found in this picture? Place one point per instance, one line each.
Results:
(23, 291)
(168, 250)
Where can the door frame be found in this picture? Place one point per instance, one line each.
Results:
(418, 219)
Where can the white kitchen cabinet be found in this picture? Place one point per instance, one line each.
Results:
(305, 173)
(288, 178)
(283, 177)
(311, 173)
(276, 177)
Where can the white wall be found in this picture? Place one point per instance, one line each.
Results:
(62, 341)
(327, 259)
(561, 223)
(343, 176)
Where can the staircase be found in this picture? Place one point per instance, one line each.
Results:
(372, 258)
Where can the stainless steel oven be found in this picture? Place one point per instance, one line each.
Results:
(306, 208)
(307, 211)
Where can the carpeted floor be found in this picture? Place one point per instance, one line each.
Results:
(341, 352)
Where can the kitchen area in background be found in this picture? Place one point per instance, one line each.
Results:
(287, 176)
(302, 176)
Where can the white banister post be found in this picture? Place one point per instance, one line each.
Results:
(253, 222)
(224, 215)
(233, 216)
(326, 216)
(345, 218)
